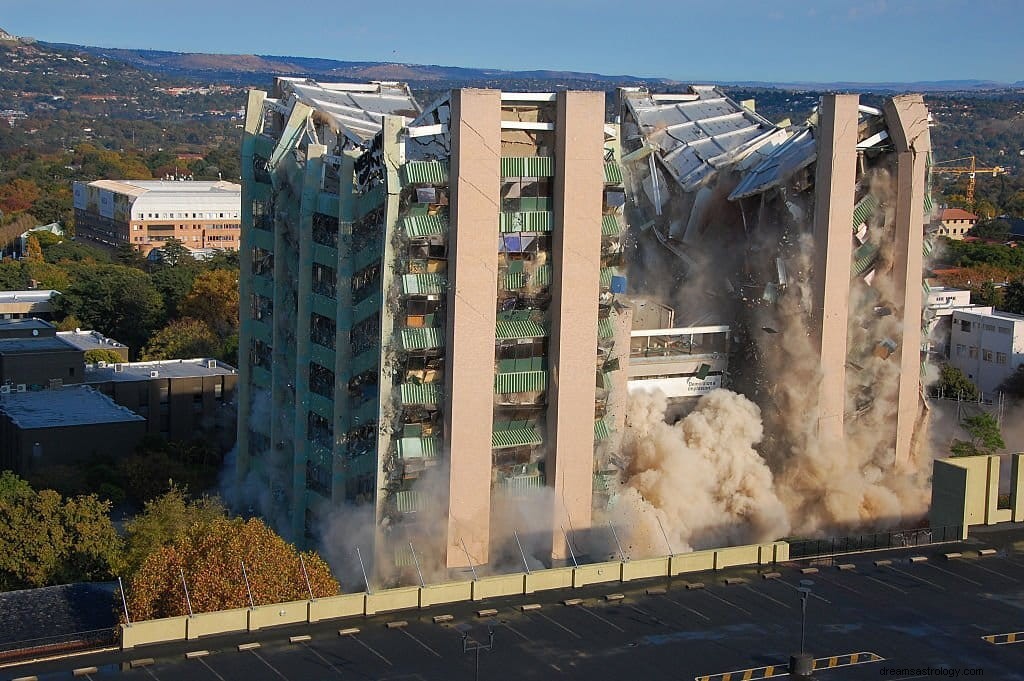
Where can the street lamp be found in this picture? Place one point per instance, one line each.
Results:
(470, 645)
(802, 664)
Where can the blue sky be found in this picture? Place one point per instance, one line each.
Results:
(769, 40)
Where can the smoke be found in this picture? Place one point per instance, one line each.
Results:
(698, 483)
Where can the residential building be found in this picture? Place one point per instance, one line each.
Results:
(37, 303)
(451, 270)
(423, 285)
(954, 223)
(146, 213)
(987, 346)
(179, 399)
(40, 428)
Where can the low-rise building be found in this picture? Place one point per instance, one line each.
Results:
(987, 345)
(40, 428)
(86, 340)
(147, 213)
(955, 223)
(179, 399)
(27, 304)
(33, 356)
(939, 304)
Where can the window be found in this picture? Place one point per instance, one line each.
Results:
(365, 334)
(260, 354)
(325, 281)
(960, 349)
(972, 352)
(261, 308)
(325, 230)
(364, 282)
(989, 327)
(322, 330)
(321, 380)
(1001, 358)
(965, 326)
(1005, 330)
(986, 355)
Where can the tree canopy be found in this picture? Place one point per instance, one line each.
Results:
(46, 539)
(210, 557)
(985, 437)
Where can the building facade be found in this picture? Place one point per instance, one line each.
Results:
(452, 351)
(36, 303)
(146, 213)
(987, 346)
(954, 223)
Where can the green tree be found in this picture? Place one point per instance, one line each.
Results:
(33, 251)
(985, 437)
(102, 355)
(1013, 297)
(121, 302)
(1013, 386)
(953, 384)
(175, 254)
(214, 300)
(75, 251)
(991, 229)
(182, 339)
(988, 294)
(166, 519)
(210, 556)
(174, 283)
(45, 539)
(12, 276)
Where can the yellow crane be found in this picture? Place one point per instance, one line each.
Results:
(970, 170)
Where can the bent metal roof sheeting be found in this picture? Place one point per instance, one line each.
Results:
(696, 133)
(357, 108)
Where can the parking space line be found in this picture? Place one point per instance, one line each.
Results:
(211, 669)
(515, 631)
(727, 602)
(920, 579)
(953, 574)
(368, 647)
(424, 645)
(831, 581)
(322, 658)
(689, 609)
(764, 595)
(995, 572)
(557, 624)
(606, 621)
(813, 595)
(884, 583)
(654, 618)
(264, 661)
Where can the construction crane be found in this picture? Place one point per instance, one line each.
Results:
(970, 170)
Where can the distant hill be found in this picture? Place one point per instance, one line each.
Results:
(251, 68)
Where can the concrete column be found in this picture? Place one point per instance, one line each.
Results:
(576, 254)
(907, 118)
(475, 172)
(835, 183)
(253, 117)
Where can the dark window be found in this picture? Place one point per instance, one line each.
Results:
(319, 430)
(325, 230)
(325, 281)
(322, 330)
(262, 262)
(365, 282)
(321, 380)
(260, 354)
(365, 334)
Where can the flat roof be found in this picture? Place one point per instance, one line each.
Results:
(175, 368)
(20, 324)
(88, 340)
(37, 344)
(140, 187)
(75, 405)
(33, 296)
(994, 314)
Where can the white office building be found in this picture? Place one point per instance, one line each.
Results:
(987, 345)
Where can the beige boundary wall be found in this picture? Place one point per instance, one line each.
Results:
(965, 492)
(410, 598)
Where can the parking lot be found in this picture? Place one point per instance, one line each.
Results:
(893, 614)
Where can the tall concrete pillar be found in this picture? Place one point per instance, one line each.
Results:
(907, 119)
(475, 172)
(835, 183)
(576, 247)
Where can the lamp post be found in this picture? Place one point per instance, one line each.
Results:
(802, 664)
(469, 645)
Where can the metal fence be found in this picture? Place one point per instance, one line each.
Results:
(60, 643)
(894, 539)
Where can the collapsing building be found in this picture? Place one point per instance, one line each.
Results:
(439, 323)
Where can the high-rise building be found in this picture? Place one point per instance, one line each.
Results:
(429, 308)
(434, 306)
